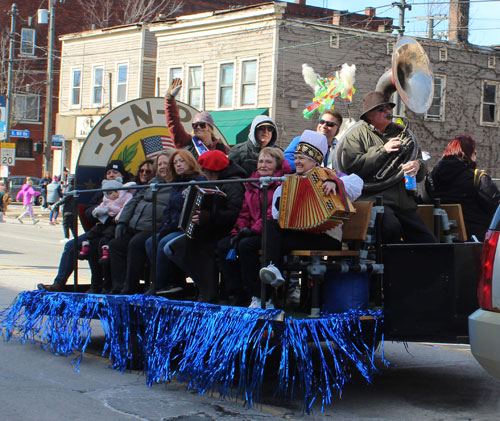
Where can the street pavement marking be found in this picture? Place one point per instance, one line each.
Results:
(38, 272)
(449, 347)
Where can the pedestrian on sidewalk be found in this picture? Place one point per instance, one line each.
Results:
(54, 193)
(27, 193)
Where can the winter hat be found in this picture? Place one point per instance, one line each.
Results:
(204, 117)
(313, 145)
(372, 100)
(112, 184)
(213, 160)
(116, 165)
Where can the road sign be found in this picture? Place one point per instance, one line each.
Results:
(19, 133)
(8, 155)
(57, 141)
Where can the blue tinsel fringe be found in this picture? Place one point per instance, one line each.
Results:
(205, 345)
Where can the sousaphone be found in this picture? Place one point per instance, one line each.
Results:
(411, 76)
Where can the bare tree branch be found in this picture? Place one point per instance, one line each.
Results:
(104, 13)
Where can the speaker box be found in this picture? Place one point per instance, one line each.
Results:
(430, 290)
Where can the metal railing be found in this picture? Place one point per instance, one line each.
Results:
(155, 187)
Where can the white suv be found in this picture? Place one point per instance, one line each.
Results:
(484, 324)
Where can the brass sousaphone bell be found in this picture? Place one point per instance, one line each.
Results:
(411, 75)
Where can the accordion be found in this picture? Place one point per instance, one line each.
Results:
(198, 199)
(305, 207)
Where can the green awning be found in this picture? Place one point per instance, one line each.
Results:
(235, 125)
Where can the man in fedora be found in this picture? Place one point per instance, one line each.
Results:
(366, 148)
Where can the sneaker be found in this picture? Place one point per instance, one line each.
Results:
(20, 220)
(51, 223)
(55, 287)
(256, 303)
(84, 253)
(170, 289)
(35, 221)
(271, 275)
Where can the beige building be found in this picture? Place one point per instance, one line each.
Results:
(243, 62)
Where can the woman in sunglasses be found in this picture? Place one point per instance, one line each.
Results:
(145, 172)
(202, 138)
(263, 132)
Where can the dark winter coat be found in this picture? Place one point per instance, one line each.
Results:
(172, 212)
(217, 223)
(246, 154)
(363, 154)
(138, 212)
(453, 182)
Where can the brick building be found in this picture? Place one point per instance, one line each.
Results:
(272, 45)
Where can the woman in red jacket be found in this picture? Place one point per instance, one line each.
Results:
(241, 277)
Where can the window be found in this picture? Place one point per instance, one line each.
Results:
(194, 86)
(226, 84)
(248, 87)
(76, 87)
(436, 110)
(24, 148)
(121, 83)
(27, 107)
(489, 108)
(491, 62)
(97, 89)
(443, 54)
(334, 41)
(28, 41)
(389, 47)
(175, 73)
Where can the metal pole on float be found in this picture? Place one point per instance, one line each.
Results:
(265, 186)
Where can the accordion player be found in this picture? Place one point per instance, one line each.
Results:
(305, 206)
(197, 199)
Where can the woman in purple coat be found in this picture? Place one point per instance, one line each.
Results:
(241, 277)
(27, 193)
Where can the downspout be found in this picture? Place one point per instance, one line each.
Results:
(274, 71)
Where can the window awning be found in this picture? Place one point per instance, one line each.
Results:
(235, 125)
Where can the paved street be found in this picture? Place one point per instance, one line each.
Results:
(425, 382)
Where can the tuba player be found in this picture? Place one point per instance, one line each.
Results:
(367, 146)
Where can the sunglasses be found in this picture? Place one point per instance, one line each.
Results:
(145, 171)
(200, 124)
(268, 128)
(328, 123)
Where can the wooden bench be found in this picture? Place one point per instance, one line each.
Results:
(455, 218)
(316, 262)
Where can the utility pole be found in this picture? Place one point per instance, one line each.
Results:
(431, 25)
(401, 6)
(8, 105)
(49, 87)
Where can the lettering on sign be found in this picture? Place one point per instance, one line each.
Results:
(131, 133)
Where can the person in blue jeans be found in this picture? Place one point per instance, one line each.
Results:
(66, 263)
(182, 167)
